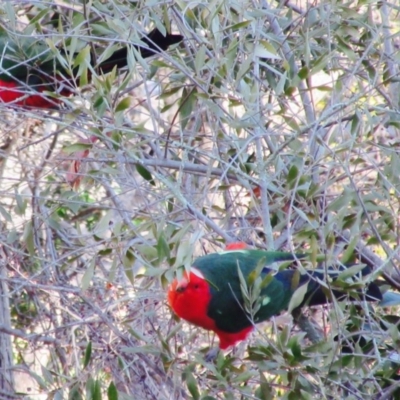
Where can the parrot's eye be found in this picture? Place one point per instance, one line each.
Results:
(196, 286)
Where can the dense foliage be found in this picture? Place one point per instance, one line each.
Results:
(274, 123)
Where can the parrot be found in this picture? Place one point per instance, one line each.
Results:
(28, 68)
(211, 294)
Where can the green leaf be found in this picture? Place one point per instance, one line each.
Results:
(253, 275)
(187, 105)
(96, 393)
(351, 271)
(88, 275)
(297, 297)
(265, 50)
(75, 393)
(28, 238)
(183, 253)
(323, 88)
(136, 334)
(124, 104)
(280, 87)
(199, 61)
(295, 347)
(107, 53)
(304, 73)
(295, 281)
(267, 279)
(76, 147)
(355, 123)
(47, 375)
(82, 57)
(292, 174)
(191, 384)
(243, 284)
(88, 354)
(128, 261)
(162, 248)
(145, 173)
(83, 77)
(349, 252)
(320, 64)
(90, 384)
(112, 392)
(36, 18)
(244, 377)
(238, 26)
(346, 49)
(244, 69)
(5, 214)
(21, 203)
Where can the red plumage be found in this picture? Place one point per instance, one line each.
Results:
(190, 298)
(28, 68)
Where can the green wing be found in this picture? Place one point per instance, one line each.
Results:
(226, 305)
(23, 56)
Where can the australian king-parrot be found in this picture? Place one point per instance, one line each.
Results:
(211, 295)
(28, 68)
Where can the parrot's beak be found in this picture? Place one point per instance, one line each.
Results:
(181, 285)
